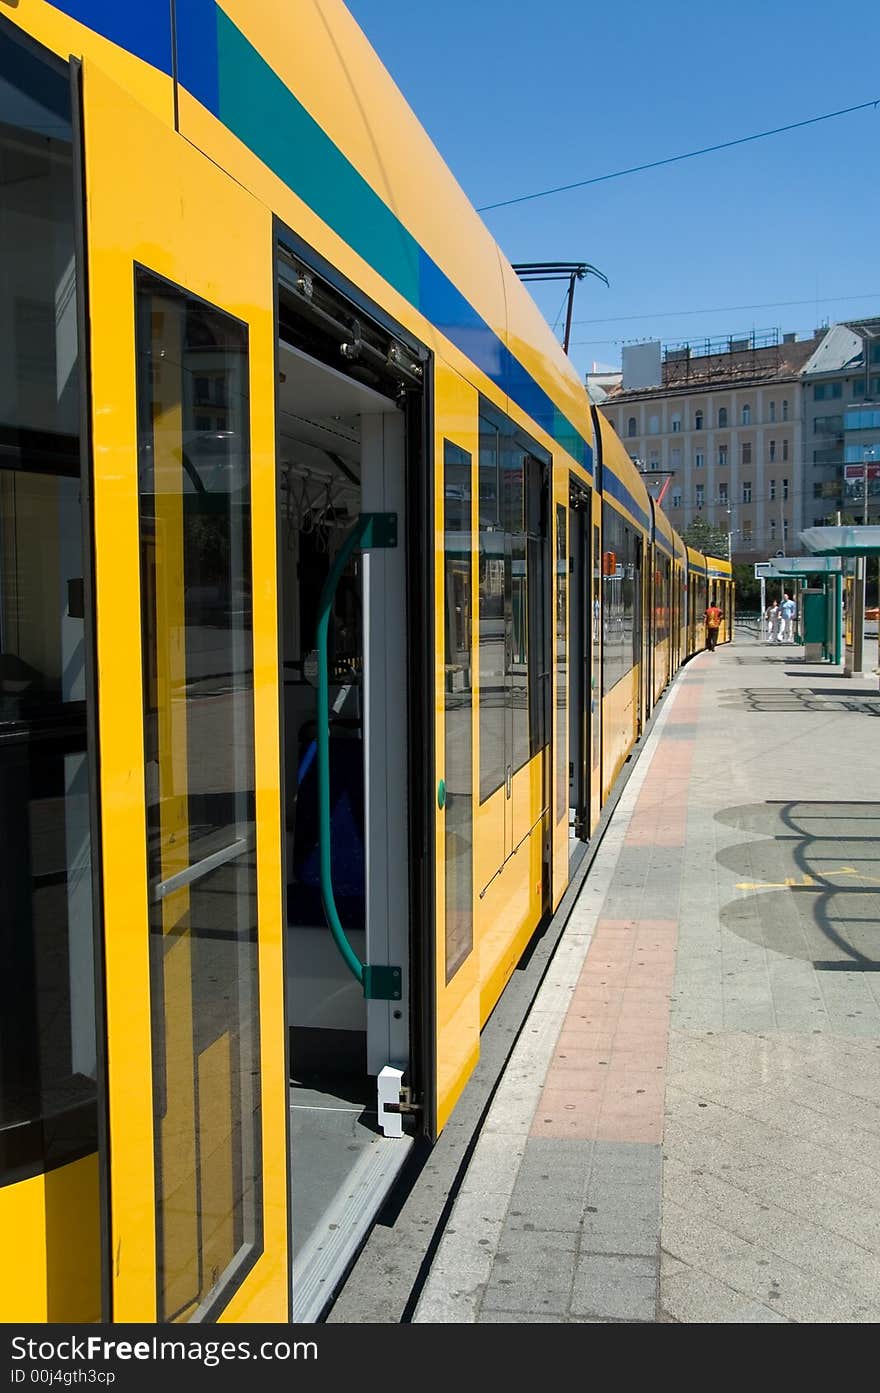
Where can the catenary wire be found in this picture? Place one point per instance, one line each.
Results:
(674, 159)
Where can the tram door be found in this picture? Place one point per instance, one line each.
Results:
(182, 438)
(579, 670)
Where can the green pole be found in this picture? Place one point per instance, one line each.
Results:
(325, 606)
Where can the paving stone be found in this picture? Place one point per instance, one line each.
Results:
(615, 1288)
(532, 1272)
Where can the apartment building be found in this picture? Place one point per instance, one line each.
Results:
(842, 423)
(725, 418)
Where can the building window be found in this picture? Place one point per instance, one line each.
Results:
(676, 424)
(722, 417)
(653, 424)
(785, 488)
(747, 452)
(829, 425)
(772, 410)
(772, 529)
(676, 498)
(654, 460)
(827, 391)
(722, 493)
(747, 531)
(701, 494)
(875, 353)
(747, 490)
(699, 459)
(785, 449)
(631, 426)
(747, 415)
(772, 489)
(772, 451)
(785, 529)
(722, 456)
(698, 420)
(785, 410)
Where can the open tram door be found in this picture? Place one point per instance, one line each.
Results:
(352, 494)
(182, 377)
(581, 696)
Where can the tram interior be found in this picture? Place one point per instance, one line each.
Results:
(339, 1156)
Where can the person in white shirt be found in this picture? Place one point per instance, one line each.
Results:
(773, 618)
(787, 611)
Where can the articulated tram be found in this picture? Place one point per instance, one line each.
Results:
(330, 612)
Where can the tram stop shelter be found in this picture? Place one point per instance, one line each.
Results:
(849, 546)
(817, 585)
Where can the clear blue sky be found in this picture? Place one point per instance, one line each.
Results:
(520, 97)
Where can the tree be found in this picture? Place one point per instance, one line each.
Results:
(747, 586)
(704, 536)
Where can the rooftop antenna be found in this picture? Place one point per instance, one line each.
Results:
(572, 271)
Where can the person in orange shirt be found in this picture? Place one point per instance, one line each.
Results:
(713, 624)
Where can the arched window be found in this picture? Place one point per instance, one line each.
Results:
(747, 415)
(722, 417)
(631, 426)
(698, 420)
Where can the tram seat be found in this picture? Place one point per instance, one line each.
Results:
(304, 906)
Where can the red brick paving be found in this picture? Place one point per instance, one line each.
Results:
(607, 1079)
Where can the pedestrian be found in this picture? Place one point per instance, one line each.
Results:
(787, 611)
(772, 618)
(713, 624)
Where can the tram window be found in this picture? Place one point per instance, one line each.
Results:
(620, 582)
(458, 706)
(493, 565)
(515, 600)
(540, 659)
(519, 691)
(48, 1109)
(561, 662)
(194, 497)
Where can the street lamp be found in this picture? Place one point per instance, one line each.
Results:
(868, 452)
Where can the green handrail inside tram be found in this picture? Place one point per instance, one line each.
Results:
(371, 532)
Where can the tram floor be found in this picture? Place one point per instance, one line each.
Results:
(342, 1167)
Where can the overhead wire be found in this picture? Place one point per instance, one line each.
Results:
(674, 159)
(727, 309)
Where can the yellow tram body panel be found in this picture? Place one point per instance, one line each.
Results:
(51, 1225)
(123, 142)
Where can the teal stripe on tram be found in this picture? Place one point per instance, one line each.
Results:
(262, 111)
(222, 69)
(254, 103)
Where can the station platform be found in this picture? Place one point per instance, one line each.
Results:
(688, 1126)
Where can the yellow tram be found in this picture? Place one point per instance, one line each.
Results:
(329, 615)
